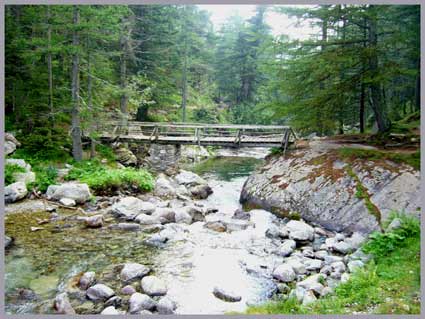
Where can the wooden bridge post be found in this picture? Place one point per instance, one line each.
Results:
(156, 133)
(238, 138)
(285, 140)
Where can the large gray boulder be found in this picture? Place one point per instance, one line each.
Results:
(87, 280)
(19, 162)
(130, 207)
(182, 216)
(189, 179)
(63, 305)
(125, 156)
(26, 177)
(140, 302)
(226, 295)
(15, 192)
(144, 219)
(164, 187)
(7, 241)
(133, 271)
(10, 143)
(153, 286)
(79, 192)
(313, 283)
(166, 306)
(284, 273)
(287, 248)
(165, 215)
(99, 292)
(111, 310)
(318, 184)
(201, 191)
(8, 137)
(298, 230)
(9, 147)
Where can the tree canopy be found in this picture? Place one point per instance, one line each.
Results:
(69, 68)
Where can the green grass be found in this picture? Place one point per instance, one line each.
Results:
(389, 284)
(276, 151)
(362, 193)
(412, 159)
(101, 178)
(9, 171)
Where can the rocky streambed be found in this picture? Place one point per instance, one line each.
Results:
(180, 249)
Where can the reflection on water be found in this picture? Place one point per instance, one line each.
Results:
(226, 168)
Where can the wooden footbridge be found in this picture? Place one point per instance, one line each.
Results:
(199, 134)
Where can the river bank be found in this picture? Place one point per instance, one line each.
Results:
(257, 256)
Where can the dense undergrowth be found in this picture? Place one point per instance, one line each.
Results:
(388, 284)
(102, 178)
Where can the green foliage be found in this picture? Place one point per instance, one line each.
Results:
(9, 171)
(383, 243)
(276, 151)
(103, 179)
(118, 178)
(390, 283)
(43, 144)
(44, 176)
(84, 168)
(104, 151)
(412, 159)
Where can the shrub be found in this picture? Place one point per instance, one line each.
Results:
(9, 170)
(101, 178)
(117, 178)
(380, 244)
(105, 152)
(45, 176)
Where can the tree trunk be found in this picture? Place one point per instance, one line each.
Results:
(77, 148)
(49, 66)
(342, 76)
(418, 87)
(322, 85)
(362, 107)
(90, 102)
(184, 80)
(123, 77)
(378, 106)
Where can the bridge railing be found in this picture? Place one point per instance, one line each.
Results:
(197, 133)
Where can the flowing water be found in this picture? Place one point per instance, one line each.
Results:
(192, 264)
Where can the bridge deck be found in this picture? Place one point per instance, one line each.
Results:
(200, 134)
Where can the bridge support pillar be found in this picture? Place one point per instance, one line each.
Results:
(164, 158)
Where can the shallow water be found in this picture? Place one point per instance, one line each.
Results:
(192, 264)
(45, 260)
(239, 261)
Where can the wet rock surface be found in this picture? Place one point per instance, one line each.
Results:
(321, 187)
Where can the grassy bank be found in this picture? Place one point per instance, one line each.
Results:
(389, 284)
(101, 173)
